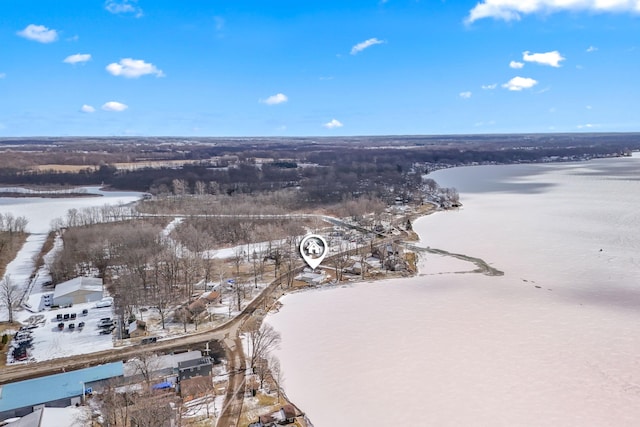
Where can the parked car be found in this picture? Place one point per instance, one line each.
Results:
(80, 325)
(85, 312)
(105, 323)
(107, 331)
(58, 317)
(105, 302)
(73, 316)
(20, 353)
(149, 340)
(61, 326)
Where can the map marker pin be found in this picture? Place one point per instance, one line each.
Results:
(313, 249)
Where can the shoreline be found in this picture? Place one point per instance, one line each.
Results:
(409, 241)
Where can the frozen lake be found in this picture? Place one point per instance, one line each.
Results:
(40, 211)
(552, 342)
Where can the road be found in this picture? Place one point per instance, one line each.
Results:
(234, 398)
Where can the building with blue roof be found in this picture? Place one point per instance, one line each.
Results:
(60, 390)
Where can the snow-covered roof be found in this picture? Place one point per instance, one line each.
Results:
(93, 284)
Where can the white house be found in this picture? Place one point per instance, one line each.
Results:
(77, 291)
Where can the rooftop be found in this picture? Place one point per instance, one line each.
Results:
(54, 387)
(79, 283)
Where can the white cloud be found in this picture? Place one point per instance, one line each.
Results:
(490, 87)
(133, 68)
(516, 64)
(114, 106)
(333, 124)
(519, 83)
(512, 10)
(89, 109)
(124, 6)
(39, 33)
(278, 98)
(77, 58)
(465, 95)
(591, 49)
(552, 58)
(365, 44)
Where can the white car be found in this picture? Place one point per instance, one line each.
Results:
(105, 302)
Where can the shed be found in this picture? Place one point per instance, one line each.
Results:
(137, 329)
(77, 291)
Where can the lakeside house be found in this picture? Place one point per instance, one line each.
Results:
(194, 368)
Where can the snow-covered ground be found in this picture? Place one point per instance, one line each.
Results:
(49, 342)
(552, 342)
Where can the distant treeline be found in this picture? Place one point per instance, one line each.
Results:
(330, 171)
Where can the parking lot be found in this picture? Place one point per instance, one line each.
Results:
(68, 331)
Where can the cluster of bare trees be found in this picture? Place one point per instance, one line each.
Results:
(12, 224)
(93, 215)
(235, 230)
(12, 231)
(122, 406)
(267, 203)
(138, 264)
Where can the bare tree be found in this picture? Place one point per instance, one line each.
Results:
(263, 338)
(114, 406)
(145, 364)
(9, 295)
(276, 373)
(196, 309)
(183, 315)
(262, 370)
(151, 410)
(340, 260)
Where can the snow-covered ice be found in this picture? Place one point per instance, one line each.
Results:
(552, 342)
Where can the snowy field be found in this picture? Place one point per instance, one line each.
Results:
(552, 342)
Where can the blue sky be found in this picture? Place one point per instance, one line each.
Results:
(294, 68)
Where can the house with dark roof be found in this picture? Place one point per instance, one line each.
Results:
(193, 368)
